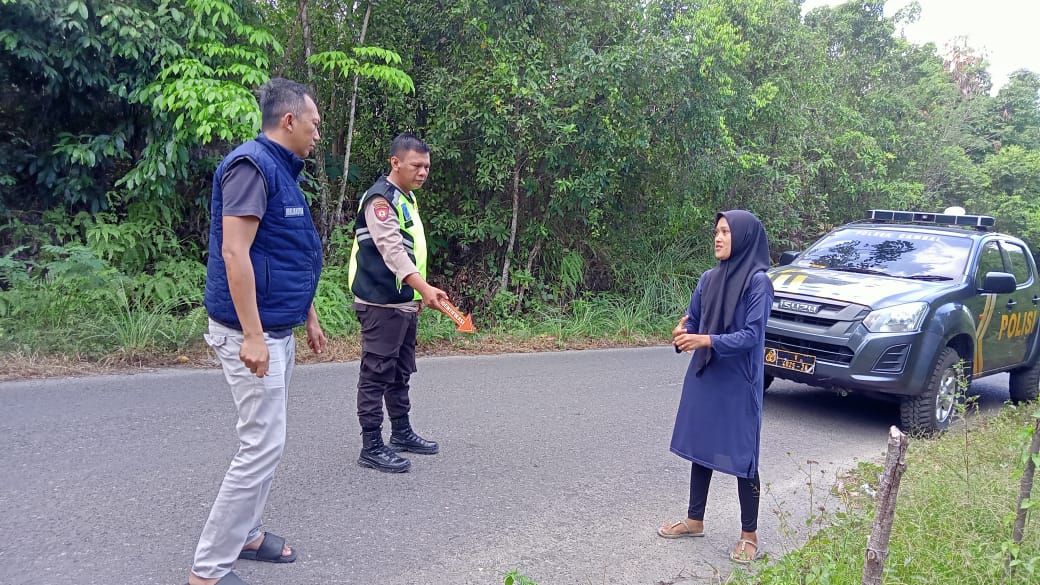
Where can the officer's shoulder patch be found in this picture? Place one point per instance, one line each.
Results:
(381, 208)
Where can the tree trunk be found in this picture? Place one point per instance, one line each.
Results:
(1025, 491)
(504, 281)
(324, 192)
(280, 72)
(308, 47)
(350, 124)
(877, 544)
(530, 266)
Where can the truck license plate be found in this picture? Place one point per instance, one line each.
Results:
(789, 360)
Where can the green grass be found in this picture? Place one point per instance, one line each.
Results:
(112, 326)
(954, 516)
(95, 324)
(136, 330)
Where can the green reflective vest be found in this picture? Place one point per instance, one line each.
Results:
(369, 278)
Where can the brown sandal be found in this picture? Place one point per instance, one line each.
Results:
(741, 555)
(667, 531)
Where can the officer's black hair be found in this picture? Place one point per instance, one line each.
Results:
(408, 141)
(279, 96)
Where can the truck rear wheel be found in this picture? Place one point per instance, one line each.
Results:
(932, 411)
(1024, 385)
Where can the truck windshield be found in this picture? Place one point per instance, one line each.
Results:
(892, 252)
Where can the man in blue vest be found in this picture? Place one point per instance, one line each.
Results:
(264, 262)
(388, 279)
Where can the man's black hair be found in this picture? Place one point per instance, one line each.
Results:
(279, 96)
(408, 141)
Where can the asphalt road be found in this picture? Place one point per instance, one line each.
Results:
(556, 464)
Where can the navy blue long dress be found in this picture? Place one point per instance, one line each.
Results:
(719, 421)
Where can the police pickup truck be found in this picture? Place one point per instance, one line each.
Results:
(908, 305)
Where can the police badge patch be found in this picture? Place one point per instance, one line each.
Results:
(381, 209)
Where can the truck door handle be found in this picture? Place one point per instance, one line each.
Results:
(1036, 299)
(1011, 304)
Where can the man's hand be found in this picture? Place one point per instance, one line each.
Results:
(431, 297)
(254, 354)
(315, 336)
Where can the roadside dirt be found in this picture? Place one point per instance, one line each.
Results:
(20, 366)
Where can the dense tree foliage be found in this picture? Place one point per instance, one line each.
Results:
(578, 147)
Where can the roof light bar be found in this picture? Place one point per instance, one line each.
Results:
(887, 215)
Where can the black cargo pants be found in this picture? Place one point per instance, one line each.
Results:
(387, 363)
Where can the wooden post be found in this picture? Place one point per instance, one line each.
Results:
(1024, 491)
(877, 545)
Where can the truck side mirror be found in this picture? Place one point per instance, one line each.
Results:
(999, 283)
(788, 257)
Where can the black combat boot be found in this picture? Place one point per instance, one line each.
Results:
(403, 438)
(376, 455)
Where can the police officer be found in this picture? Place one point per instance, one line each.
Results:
(388, 279)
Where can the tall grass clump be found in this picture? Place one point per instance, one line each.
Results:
(77, 304)
(661, 284)
(651, 288)
(131, 328)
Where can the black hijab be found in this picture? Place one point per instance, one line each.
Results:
(726, 283)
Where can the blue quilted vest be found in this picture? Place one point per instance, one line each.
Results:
(286, 253)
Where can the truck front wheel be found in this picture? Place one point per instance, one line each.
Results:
(932, 411)
(1025, 384)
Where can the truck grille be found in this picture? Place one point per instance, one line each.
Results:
(823, 351)
(800, 318)
(814, 317)
(830, 318)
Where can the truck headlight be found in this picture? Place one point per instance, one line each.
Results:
(898, 319)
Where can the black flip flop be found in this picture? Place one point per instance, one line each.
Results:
(270, 551)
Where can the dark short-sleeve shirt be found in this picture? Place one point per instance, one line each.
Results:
(244, 190)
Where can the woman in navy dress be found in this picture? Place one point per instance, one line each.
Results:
(719, 422)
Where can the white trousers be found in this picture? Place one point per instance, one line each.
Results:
(236, 516)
